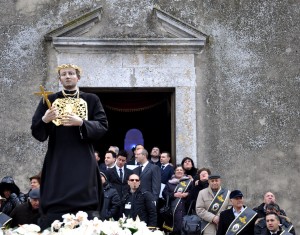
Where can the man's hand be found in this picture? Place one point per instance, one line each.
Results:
(216, 220)
(50, 115)
(180, 195)
(71, 120)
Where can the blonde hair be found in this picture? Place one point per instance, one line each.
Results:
(65, 66)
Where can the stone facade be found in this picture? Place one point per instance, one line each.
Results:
(237, 86)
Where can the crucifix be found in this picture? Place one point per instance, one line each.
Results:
(44, 94)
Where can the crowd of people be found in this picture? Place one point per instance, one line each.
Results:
(143, 188)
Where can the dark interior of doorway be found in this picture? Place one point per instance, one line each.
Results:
(154, 122)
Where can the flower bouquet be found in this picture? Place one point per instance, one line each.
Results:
(80, 225)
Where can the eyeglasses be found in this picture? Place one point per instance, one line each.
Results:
(137, 180)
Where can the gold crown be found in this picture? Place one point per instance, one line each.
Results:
(65, 66)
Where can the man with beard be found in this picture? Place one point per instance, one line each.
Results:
(137, 202)
(155, 156)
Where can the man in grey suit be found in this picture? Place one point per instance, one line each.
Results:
(150, 174)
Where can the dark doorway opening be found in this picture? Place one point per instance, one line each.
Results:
(149, 111)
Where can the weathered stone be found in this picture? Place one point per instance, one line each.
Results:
(241, 94)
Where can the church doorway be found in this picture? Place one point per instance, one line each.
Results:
(150, 111)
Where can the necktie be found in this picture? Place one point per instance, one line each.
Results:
(141, 169)
(121, 174)
(162, 167)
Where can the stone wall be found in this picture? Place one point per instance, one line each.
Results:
(247, 93)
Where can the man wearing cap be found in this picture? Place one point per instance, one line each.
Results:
(27, 213)
(211, 201)
(239, 219)
(72, 121)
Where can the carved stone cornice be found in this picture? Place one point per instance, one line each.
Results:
(70, 37)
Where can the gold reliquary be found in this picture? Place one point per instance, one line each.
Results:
(67, 106)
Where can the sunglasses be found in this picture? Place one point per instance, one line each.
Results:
(137, 180)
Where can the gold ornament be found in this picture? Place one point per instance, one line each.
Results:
(44, 94)
(70, 105)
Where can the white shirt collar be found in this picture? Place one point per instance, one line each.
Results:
(236, 213)
(145, 164)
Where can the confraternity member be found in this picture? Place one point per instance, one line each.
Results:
(70, 180)
(237, 220)
(211, 201)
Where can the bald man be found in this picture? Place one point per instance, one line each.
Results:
(269, 197)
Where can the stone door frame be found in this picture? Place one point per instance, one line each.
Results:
(133, 63)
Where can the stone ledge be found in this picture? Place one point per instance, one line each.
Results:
(151, 45)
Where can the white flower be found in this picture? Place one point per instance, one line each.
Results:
(81, 216)
(157, 232)
(68, 217)
(111, 228)
(56, 225)
(46, 232)
(27, 229)
(80, 225)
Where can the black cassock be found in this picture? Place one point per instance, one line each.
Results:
(70, 179)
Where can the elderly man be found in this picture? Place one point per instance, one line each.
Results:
(239, 219)
(211, 201)
(273, 225)
(133, 162)
(114, 149)
(70, 180)
(27, 213)
(261, 209)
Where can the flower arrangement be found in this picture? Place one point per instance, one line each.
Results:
(80, 225)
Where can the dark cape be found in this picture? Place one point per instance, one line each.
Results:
(70, 180)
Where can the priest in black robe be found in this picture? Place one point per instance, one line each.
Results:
(70, 179)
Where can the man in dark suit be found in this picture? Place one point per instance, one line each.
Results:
(260, 227)
(167, 170)
(238, 219)
(133, 161)
(273, 225)
(119, 174)
(150, 174)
